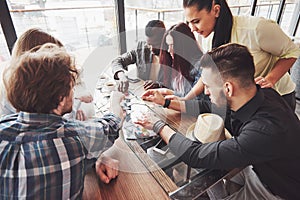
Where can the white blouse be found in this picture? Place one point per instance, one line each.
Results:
(266, 42)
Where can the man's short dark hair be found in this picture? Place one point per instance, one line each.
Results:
(41, 79)
(233, 61)
(155, 27)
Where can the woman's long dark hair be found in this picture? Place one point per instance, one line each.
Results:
(224, 22)
(186, 53)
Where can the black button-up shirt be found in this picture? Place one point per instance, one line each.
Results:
(266, 135)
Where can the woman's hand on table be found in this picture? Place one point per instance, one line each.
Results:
(107, 169)
(115, 100)
(174, 97)
(165, 91)
(153, 95)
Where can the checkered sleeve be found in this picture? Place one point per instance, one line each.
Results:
(99, 134)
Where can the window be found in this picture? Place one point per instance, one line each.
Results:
(138, 13)
(78, 24)
(240, 7)
(83, 25)
(4, 53)
(87, 28)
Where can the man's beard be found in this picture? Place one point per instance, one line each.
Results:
(221, 100)
(221, 106)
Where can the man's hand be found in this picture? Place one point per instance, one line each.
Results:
(148, 123)
(80, 115)
(123, 82)
(149, 84)
(154, 95)
(107, 169)
(86, 98)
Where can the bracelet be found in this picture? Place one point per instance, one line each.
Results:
(158, 126)
(167, 103)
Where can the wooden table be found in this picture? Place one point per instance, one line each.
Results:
(135, 181)
(177, 120)
(139, 176)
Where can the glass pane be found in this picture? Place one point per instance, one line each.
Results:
(138, 13)
(267, 9)
(86, 28)
(290, 13)
(78, 24)
(240, 7)
(298, 35)
(4, 53)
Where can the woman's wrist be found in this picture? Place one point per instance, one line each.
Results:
(158, 126)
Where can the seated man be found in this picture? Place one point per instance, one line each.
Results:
(145, 56)
(265, 129)
(43, 155)
(83, 107)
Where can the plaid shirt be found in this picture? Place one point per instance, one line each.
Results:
(44, 156)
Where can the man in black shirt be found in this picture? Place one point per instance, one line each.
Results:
(266, 131)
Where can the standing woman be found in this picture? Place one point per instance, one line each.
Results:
(273, 51)
(179, 58)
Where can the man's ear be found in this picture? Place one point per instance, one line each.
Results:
(228, 89)
(60, 106)
(62, 102)
(216, 10)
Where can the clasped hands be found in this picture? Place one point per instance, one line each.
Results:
(107, 168)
